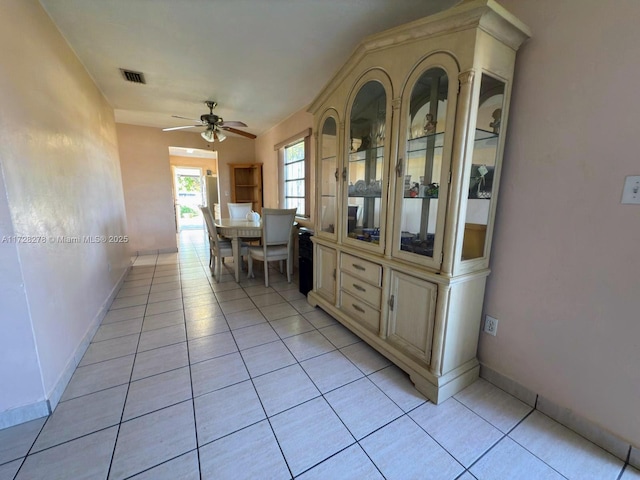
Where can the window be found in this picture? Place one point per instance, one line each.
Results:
(294, 177)
(294, 173)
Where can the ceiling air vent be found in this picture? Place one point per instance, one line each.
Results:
(131, 76)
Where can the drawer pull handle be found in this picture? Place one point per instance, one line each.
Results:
(359, 288)
(360, 309)
(358, 267)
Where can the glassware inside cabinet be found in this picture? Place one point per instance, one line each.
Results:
(485, 152)
(366, 162)
(423, 162)
(329, 175)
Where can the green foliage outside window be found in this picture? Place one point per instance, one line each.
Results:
(188, 184)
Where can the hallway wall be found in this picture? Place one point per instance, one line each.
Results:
(61, 182)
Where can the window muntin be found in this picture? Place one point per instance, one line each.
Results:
(294, 177)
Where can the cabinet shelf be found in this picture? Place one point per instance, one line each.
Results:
(367, 155)
(419, 144)
(365, 195)
(484, 135)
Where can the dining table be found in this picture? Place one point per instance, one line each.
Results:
(236, 230)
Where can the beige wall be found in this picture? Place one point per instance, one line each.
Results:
(565, 283)
(266, 155)
(61, 177)
(146, 178)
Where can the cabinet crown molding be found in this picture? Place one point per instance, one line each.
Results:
(486, 15)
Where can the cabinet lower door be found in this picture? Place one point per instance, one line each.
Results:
(325, 263)
(412, 306)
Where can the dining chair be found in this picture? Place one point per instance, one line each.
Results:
(238, 211)
(276, 240)
(218, 247)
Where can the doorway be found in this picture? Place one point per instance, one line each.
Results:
(188, 195)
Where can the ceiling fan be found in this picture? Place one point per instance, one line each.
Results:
(214, 125)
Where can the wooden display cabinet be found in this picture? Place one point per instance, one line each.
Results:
(246, 184)
(410, 139)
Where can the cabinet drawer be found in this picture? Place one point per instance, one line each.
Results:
(360, 289)
(363, 313)
(371, 272)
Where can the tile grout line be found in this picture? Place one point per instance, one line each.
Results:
(193, 400)
(299, 363)
(519, 444)
(624, 463)
(24, 459)
(284, 458)
(250, 379)
(296, 361)
(406, 413)
(124, 405)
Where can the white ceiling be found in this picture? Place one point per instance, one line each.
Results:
(261, 60)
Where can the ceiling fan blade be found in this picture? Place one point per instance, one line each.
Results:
(232, 124)
(186, 118)
(238, 132)
(180, 128)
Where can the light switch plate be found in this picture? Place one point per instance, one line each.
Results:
(631, 190)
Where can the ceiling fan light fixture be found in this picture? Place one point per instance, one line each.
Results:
(220, 136)
(208, 135)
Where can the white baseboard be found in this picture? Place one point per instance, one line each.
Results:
(56, 392)
(12, 417)
(43, 408)
(564, 416)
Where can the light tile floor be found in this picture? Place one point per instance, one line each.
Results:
(187, 379)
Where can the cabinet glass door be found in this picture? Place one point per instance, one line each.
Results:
(420, 174)
(328, 147)
(365, 164)
(485, 154)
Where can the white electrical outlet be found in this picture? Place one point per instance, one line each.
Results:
(490, 325)
(631, 190)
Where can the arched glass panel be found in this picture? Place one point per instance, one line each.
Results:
(423, 162)
(366, 162)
